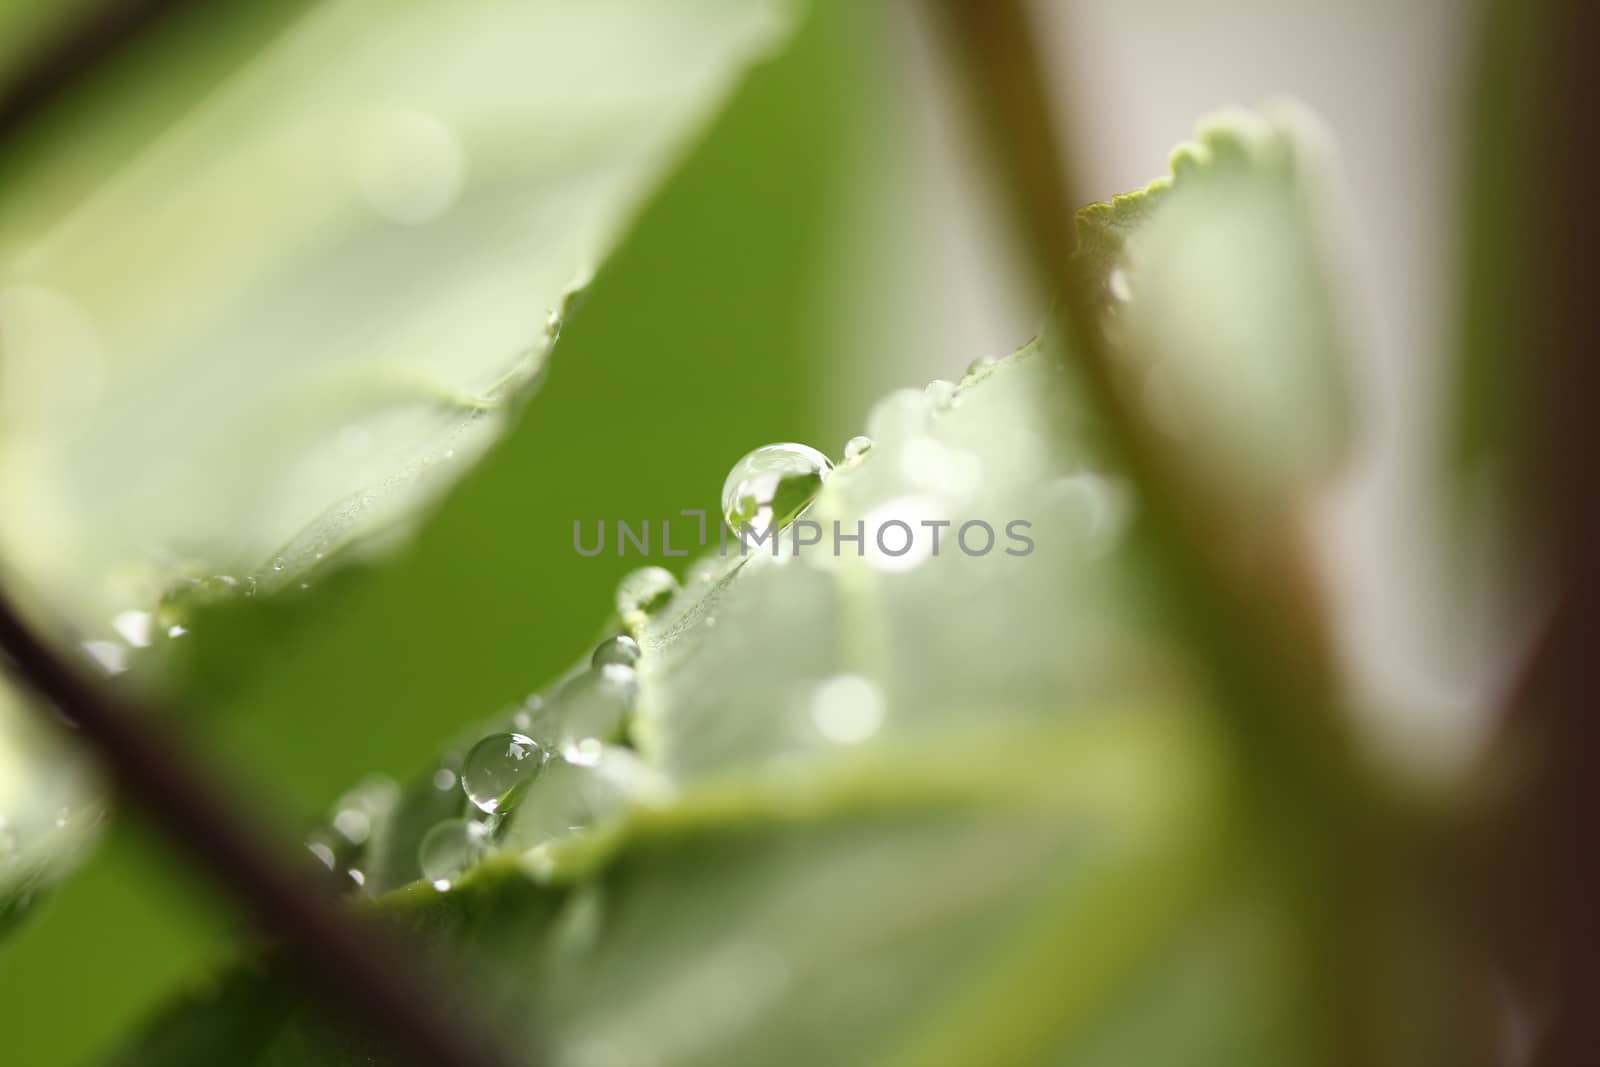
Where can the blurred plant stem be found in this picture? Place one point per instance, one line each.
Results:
(1546, 874)
(1254, 619)
(75, 55)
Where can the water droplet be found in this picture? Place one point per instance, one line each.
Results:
(278, 564)
(134, 627)
(1118, 285)
(357, 875)
(621, 649)
(645, 592)
(498, 768)
(449, 848)
(353, 824)
(596, 704)
(770, 486)
(111, 655)
(444, 779)
(323, 852)
(847, 709)
(941, 395)
(857, 447)
(979, 365)
(584, 753)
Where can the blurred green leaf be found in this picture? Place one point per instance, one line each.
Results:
(875, 814)
(966, 806)
(305, 301)
(301, 690)
(1219, 284)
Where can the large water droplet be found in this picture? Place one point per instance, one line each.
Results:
(645, 592)
(621, 649)
(498, 768)
(857, 447)
(941, 395)
(449, 848)
(770, 486)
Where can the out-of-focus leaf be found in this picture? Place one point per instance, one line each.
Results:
(831, 846)
(46, 819)
(305, 301)
(655, 383)
(875, 814)
(136, 914)
(876, 805)
(1218, 282)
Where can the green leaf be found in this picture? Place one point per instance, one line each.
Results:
(1219, 286)
(882, 808)
(964, 807)
(45, 821)
(350, 257)
(302, 693)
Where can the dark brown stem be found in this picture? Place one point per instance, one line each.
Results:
(1551, 870)
(376, 981)
(77, 53)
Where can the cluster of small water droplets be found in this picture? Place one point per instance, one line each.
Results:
(769, 487)
(342, 844)
(529, 775)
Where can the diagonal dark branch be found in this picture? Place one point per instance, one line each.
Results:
(76, 54)
(375, 980)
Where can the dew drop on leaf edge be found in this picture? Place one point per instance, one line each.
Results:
(619, 650)
(498, 769)
(768, 487)
(645, 591)
(449, 847)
